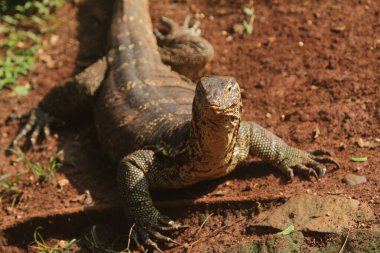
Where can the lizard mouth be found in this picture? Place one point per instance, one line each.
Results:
(221, 116)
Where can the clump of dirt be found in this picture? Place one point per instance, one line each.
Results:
(309, 72)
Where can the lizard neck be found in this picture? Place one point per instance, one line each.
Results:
(212, 142)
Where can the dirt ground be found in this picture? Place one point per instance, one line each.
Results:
(309, 72)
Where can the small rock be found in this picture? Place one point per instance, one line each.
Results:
(62, 244)
(352, 179)
(360, 142)
(53, 39)
(229, 38)
(88, 198)
(85, 198)
(308, 213)
(247, 188)
(9, 210)
(338, 29)
(316, 133)
(238, 28)
(342, 146)
(367, 144)
(272, 39)
(259, 85)
(199, 15)
(219, 194)
(63, 182)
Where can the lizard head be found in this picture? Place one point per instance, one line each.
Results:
(218, 98)
(215, 123)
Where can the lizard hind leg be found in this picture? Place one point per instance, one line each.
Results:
(175, 28)
(62, 102)
(183, 48)
(36, 126)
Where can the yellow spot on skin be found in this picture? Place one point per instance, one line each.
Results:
(131, 46)
(139, 43)
(131, 18)
(122, 66)
(122, 48)
(134, 61)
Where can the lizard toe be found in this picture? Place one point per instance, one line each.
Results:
(161, 237)
(287, 171)
(36, 126)
(307, 171)
(170, 23)
(327, 160)
(166, 224)
(144, 236)
(318, 168)
(318, 152)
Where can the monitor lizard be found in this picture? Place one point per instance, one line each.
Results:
(162, 129)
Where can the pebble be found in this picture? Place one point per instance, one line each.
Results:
(338, 29)
(238, 28)
(63, 182)
(229, 38)
(352, 179)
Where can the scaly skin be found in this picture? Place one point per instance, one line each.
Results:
(165, 134)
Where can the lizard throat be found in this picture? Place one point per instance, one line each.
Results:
(212, 142)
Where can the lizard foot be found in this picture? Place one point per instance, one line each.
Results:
(309, 163)
(176, 30)
(36, 125)
(149, 233)
(183, 48)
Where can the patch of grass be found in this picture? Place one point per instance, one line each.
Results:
(43, 173)
(41, 246)
(248, 24)
(21, 25)
(8, 184)
(97, 245)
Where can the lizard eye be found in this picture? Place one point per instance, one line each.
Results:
(229, 88)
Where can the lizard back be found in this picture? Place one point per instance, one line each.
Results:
(142, 101)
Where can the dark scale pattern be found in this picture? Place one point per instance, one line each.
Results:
(164, 131)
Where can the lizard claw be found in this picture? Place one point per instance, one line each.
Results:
(176, 30)
(148, 234)
(318, 152)
(36, 126)
(309, 163)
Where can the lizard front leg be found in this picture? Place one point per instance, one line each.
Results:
(62, 102)
(136, 173)
(273, 149)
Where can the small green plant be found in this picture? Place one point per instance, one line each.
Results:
(42, 173)
(359, 159)
(8, 184)
(41, 246)
(287, 230)
(21, 25)
(97, 245)
(248, 25)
